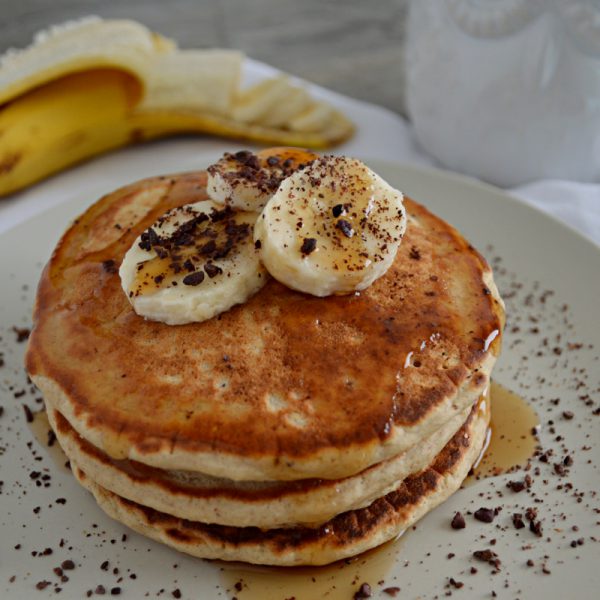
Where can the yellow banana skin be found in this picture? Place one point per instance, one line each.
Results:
(80, 115)
(63, 122)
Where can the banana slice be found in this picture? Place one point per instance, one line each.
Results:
(195, 262)
(254, 103)
(331, 228)
(246, 181)
(315, 118)
(297, 100)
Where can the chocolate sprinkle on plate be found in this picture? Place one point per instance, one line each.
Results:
(485, 515)
(364, 591)
(458, 521)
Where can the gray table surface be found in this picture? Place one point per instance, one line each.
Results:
(350, 46)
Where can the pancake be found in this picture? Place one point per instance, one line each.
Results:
(345, 535)
(265, 504)
(283, 387)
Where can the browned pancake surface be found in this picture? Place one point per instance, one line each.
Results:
(344, 535)
(351, 366)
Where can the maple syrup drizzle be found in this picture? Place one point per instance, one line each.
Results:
(156, 274)
(294, 158)
(510, 442)
(338, 581)
(40, 427)
(208, 239)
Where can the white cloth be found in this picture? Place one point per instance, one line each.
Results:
(380, 134)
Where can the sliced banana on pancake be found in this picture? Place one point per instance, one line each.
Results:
(246, 181)
(195, 262)
(333, 227)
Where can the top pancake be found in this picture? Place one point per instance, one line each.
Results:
(285, 386)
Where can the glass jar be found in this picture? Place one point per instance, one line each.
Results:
(507, 90)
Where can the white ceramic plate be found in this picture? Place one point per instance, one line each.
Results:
(533, 255)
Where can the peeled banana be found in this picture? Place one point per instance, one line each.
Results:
(87, 87)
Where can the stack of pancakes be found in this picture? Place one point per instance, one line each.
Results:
(289, 430)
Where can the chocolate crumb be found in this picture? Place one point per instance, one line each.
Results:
(391, 591)
(68, 565)
(257, 245)
(22, 333)
(337, 210)
(458, 521)
(489, 557)
(568, 415)
(100, 590)
(456, 584)
(364, 591)
(212, 270)
(194, 278)
(517, 520)
(176, 593)
(308, 246)
(28, 413)
(485, 515)
(208, 248)
(559, 469)
(42, 585)
(115, 591)
(345, 227)
(519, 486)
(536, 527)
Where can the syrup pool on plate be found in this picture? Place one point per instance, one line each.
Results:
(511, 441)
(338, 581)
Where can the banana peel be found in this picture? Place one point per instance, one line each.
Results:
(86, 88)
